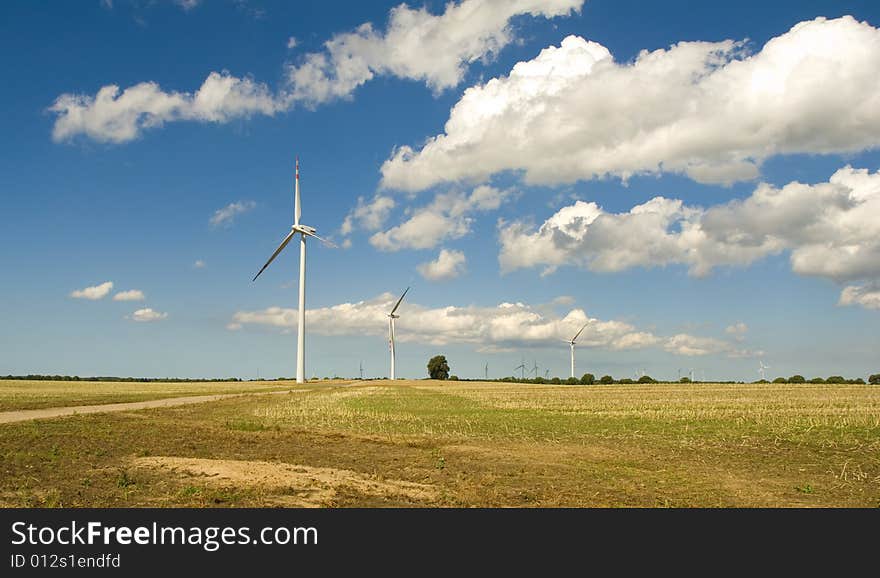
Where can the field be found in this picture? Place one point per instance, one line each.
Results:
(438, 444)
(24, 394)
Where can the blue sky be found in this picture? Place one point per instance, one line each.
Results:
(417, 136)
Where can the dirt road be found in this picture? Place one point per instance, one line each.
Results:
(50, 412)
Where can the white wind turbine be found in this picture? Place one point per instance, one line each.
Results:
(571, 343)
(304, 231)
(761, 368)
(391, 318)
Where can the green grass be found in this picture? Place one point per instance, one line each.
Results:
(677, 445)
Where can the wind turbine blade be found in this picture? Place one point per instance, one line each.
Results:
(275, 254)
(576, 335)
(398, 301)
(325, 241)
(297, 208)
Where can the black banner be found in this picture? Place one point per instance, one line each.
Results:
(122, 541)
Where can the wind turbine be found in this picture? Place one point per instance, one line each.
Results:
(304, 231)
(487, 371)
(571, 343)
(535, 369)
(522, 368)
(391, 318)
(761, 368)
(362, 370)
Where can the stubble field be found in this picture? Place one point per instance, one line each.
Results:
(438, 444)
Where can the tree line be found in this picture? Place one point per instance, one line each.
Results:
(38, 377)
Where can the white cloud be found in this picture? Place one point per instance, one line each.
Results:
(447, 217)
(93, 293)
(291, 43)
(706, 109)
(131, 295)
(117, 117)
(447, 265)
(147, 315)
(830, 230)
(737, 330)
(690, 345)
(199, 264)
(867, 296)
(488, 328)
(187, 5)
(227, 214)
(416, 45)
(370, 216)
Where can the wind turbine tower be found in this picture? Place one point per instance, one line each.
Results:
(571, 343)
(391, 318)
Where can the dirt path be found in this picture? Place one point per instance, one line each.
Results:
(50, 412)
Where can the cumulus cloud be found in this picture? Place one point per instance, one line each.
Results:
(93, 293)
(368, 215)
(199, 264)
(187, 5)
(416, 45)
(867, 296)
(710, 110)
(226, 215)
(737, 330)
(292, 42)
(690, 345)
(147, 315)
(447, 265)
(830, 230)
(447, 217)
(131, 295)
(119, 116)
(488, 328)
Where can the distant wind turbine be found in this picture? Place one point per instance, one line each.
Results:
(304, 231)
(571, 343)
(522, 368)
(391, 318)
(761, 368)
(487, 371)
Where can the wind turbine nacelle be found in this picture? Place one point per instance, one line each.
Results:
(304, 229)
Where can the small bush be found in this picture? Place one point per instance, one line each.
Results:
(453, 378)
(606, 379)
(780, 380)
(685, 380)
(625, 380)
(817, 380)
(572, 381)
(874, 379)
(556, 381)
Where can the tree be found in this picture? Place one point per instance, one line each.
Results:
(606, 379)
(588, 379)
(647, 379)
(556, 381)
(685, 380)
(817, 380)
(572, 381)
(438, 368)
(780, 380)
(874, 379)
(625, 380)
(797, 379)
(835, 379)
